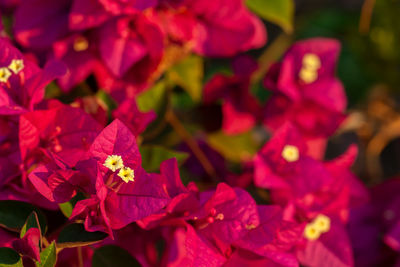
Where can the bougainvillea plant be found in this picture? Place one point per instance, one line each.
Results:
(133, 133)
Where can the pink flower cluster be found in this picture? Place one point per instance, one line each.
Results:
(318, 213)
(124, 46)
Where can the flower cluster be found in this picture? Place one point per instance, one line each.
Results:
(85, 158)
(126, 48)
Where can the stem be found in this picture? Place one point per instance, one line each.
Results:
(191, 142)
(45, 242)
(80, 256)
(366, 15)
(155, 132)
(271, 54)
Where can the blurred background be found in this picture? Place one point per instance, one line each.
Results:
(369, 67)
(370, 70)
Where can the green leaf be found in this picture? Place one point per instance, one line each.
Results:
(113, 256)
(8, 22)
(182, 101)
(258, 90)
(152, 156)
(215, 66)
(13, 215)
(31, 222)
(234, 147)
(48, 257)
(155, 99)
(67, 207)
(280, 12)
(152, 99)
(106, 99)
(189, 74)
(52, 90)
(9, 257)
(75, 235)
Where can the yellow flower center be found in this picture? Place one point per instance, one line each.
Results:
(4, 74)
(250, 226)
(126, 174)
(311, 61)
(309, 70)
(308, 76)
(290, 153)
(81, 44)
(321, 224)
(114, 162)
(311, 232)
(16, 65)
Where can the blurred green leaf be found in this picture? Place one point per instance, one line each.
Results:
(260, 92)
(280, 12)
(107, 100)
(113, 256)
(352, 73)
(48, 257)
(234, 147)
(327, 23)
(216, 66)
(81, 90)
(31, 222)
(9, 257)
(8, 22)
(13, 215)
(189, 74)
(67, 207)
(152, 99)
(156, 99)
(75, 235)
(152, 156)
(181, 100)
(52, 90)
